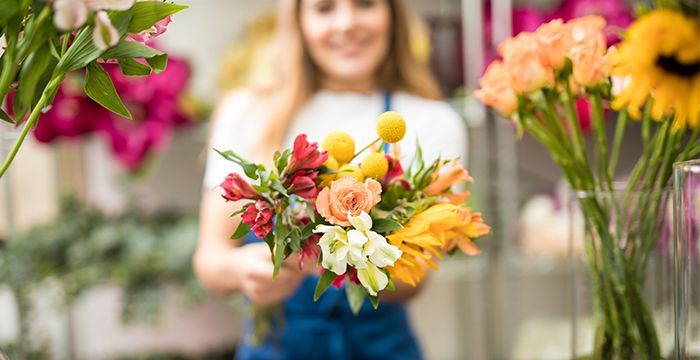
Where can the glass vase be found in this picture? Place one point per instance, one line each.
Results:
(686, 190)
(623, 299)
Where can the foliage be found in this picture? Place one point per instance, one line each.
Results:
(145, 254)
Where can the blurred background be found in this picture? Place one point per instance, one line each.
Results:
(98, 219)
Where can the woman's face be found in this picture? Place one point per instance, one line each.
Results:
(347, 39)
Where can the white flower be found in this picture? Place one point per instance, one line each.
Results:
(379, 251)
(372, 278)
(361, 248)
(69, 14)
(337, 248)
(104, 35)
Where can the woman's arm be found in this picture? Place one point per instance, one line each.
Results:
(404, 291)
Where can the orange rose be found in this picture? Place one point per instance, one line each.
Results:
(555, 39)
(495, 90)
(587, 51)
(452, 174)
(522, 57)
(347, 196)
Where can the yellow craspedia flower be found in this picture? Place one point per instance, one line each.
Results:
(351, 171)
(442, 227)
(391, 127)
(327, 179)
(660, 56)
(340, 146)
(375, 165)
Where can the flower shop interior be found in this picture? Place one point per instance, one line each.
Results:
(99, 215)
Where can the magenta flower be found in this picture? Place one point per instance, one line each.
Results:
(237, 188)
(303, 183)
(259, 217)
(152, 101)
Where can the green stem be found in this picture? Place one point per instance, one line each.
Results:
(64, 44)
(617, 142)
(575, 125)
(365, 148)
(33, 118)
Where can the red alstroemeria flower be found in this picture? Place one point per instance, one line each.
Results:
(237, 188)
(303, 183)
(306, 155)
(259, 217)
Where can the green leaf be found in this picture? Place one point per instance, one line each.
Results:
(281, 233)
(385, 225)
(30, 74)
(129, 50)
(82, 52)
(147, 13)
(356, 296)
(283, 160)
(242, 230)
(121, 20)
(99, 87)
(5, 117)
(323, 283)
(8, 9)
(131, 67)
(277, 185)
(375, 301)
(249, 168)
(239, 211)
(390, 286)
(158, 62)
(270, 240)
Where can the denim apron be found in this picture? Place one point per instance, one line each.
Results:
(327, 328)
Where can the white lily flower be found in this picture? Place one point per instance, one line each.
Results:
(379, 251)
(373, 279)
(104, 35)
(338, 250)
(69, 14)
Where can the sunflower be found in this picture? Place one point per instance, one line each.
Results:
(440, 227)
(661, 57)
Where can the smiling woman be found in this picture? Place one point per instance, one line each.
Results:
(340, 63)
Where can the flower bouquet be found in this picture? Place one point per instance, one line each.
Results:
(652, 76)
(369, 224)
(42, 41)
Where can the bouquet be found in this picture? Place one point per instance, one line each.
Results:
(42, 41)
(365, 225)
(652, 76)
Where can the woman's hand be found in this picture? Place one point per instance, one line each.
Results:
(255, 274)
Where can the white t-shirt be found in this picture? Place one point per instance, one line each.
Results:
(238, 123)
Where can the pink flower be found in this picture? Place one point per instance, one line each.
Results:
(149, 34)
(522, 59)
(259, 217)
(496, 91)
(306, 155)
(236, 188)
(345, 197)
(303, 184)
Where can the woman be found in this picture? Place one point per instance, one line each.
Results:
(341, 63)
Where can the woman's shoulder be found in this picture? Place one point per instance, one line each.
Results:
(235, 103)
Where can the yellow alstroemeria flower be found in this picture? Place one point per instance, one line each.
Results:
(440, 227)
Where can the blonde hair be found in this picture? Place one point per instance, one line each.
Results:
(298, 76)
